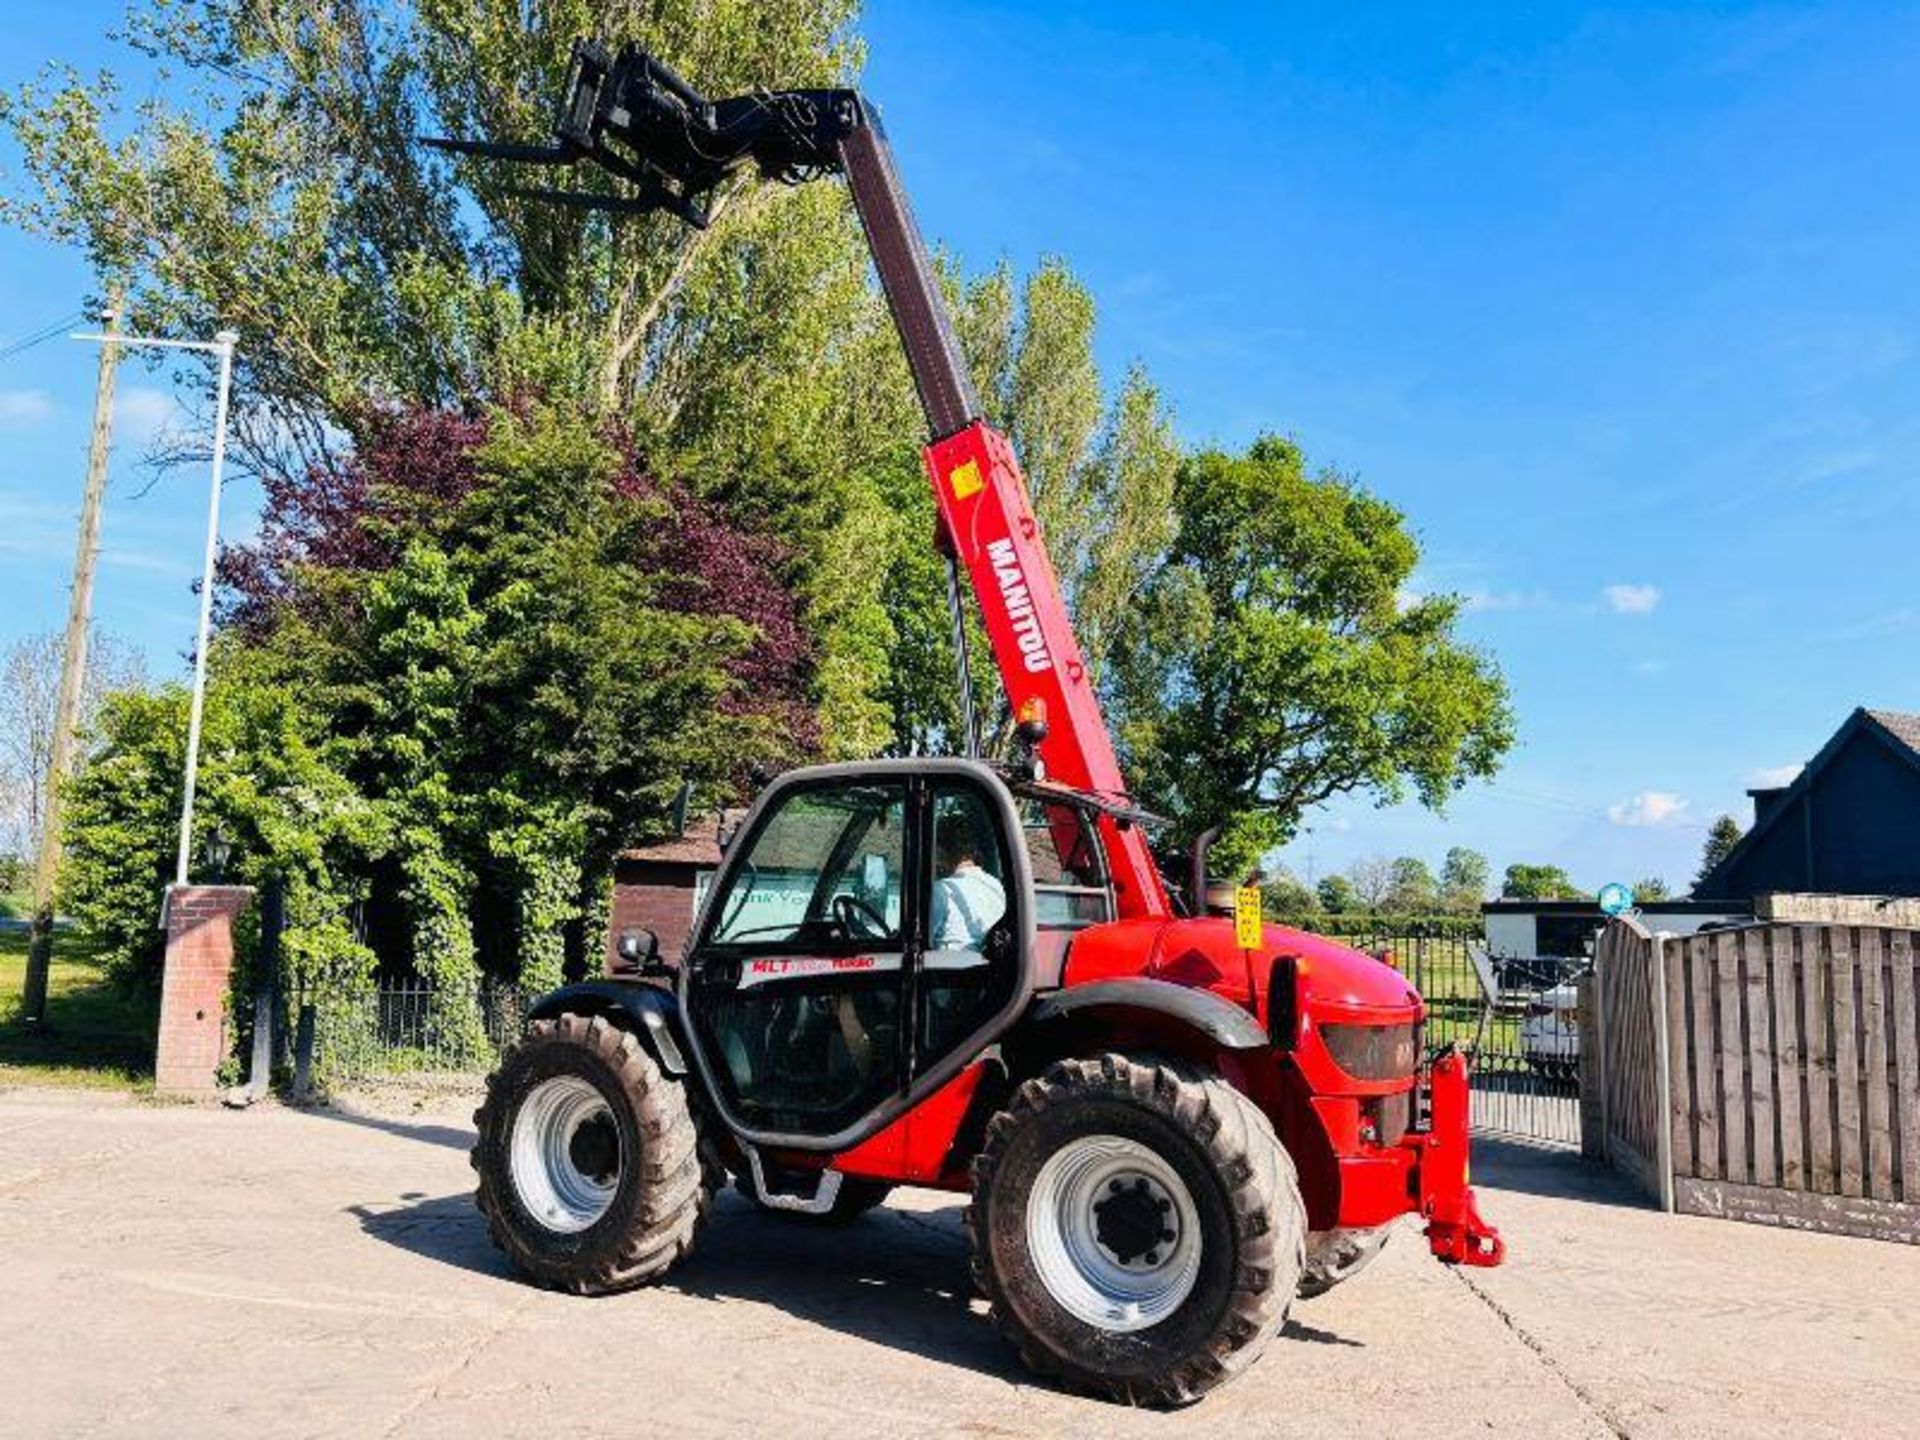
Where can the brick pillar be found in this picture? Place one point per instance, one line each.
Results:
(193, 992)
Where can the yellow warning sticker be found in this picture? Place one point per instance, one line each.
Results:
(965, 479)
(1246, 917)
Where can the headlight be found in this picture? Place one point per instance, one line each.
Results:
(1374, 1052)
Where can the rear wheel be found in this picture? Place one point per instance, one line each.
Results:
(1136, 1227)
(591, 1176)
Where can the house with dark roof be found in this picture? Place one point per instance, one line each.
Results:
(1849, 824)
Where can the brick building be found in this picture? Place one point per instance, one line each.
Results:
(658, 887)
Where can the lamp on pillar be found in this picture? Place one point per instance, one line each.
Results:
(216, 851)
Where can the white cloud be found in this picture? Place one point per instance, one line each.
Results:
(141, 413)
(1772, 777)
(1648, 808)
(1632, 599)
(21, 408)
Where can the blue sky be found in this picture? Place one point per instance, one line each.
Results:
(1621, 305)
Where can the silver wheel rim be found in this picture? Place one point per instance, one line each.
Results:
(1096, 1251)
(554, 1137)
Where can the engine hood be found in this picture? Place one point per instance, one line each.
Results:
(1335, 981)
(1336, 977)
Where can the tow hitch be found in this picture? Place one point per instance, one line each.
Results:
(1455, 1232)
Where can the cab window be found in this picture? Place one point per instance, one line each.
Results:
(826, 867)
(971, 961)
(1069, 879)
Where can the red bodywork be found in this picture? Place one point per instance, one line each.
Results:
(1363, 1155)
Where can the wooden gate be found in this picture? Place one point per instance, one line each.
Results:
(1767, 1073)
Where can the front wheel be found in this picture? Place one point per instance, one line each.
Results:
(591, 1176)
(1137, 1228)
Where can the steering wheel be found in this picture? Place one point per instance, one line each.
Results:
(859, 919)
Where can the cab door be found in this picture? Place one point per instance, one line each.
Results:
(870, 934)
(795, 987)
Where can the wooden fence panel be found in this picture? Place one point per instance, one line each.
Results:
(1763, 1149)
(1732, 1054)
(1633, 1099)
(1817, 973)
(1706, 1074)
(1788, 1058)
(1878, 1150)
(1906, 1042)
(1846, 1062)
(1679, 1066)
(1793, 1073)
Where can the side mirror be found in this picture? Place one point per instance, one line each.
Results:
(638, 953)
(873, 876)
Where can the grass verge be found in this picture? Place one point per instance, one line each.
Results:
(95, 1036)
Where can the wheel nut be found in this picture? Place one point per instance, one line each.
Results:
(1166, 1237)
(1153, 1257)
(1115, 1187)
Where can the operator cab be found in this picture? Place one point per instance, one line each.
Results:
(873, 928)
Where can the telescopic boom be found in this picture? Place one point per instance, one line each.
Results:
(633, 117)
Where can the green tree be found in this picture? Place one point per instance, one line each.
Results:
(1284, 896)
(291, 200)
(1100, 470)
(1652, 888)
(268, 779)
(1371, 877)
(754, 359)
(1722, 836)
(1411, 888)
(1464, 875)
(1336, 895)
(1273, 662)
(1539, 882)
(500, 675)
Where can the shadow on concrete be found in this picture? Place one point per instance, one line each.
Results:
(454, 1137)
(894, 1277)
(1544, 1170)
(448, 1229)
(1312, 1335)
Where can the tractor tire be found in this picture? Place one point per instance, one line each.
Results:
(856, 1198)
(1337, 1255)
(592, 1173)
(1136, 1227)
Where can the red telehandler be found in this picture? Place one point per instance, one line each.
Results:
(963, 975)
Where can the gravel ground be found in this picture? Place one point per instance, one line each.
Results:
(174, 1270)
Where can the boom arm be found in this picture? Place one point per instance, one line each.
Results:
(635, 118)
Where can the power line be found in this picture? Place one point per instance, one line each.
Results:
(40, 337)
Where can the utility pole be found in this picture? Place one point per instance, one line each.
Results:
(73, 672)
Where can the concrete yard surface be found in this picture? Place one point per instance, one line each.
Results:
(175, 1270)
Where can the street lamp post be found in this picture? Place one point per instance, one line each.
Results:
(222, 347)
